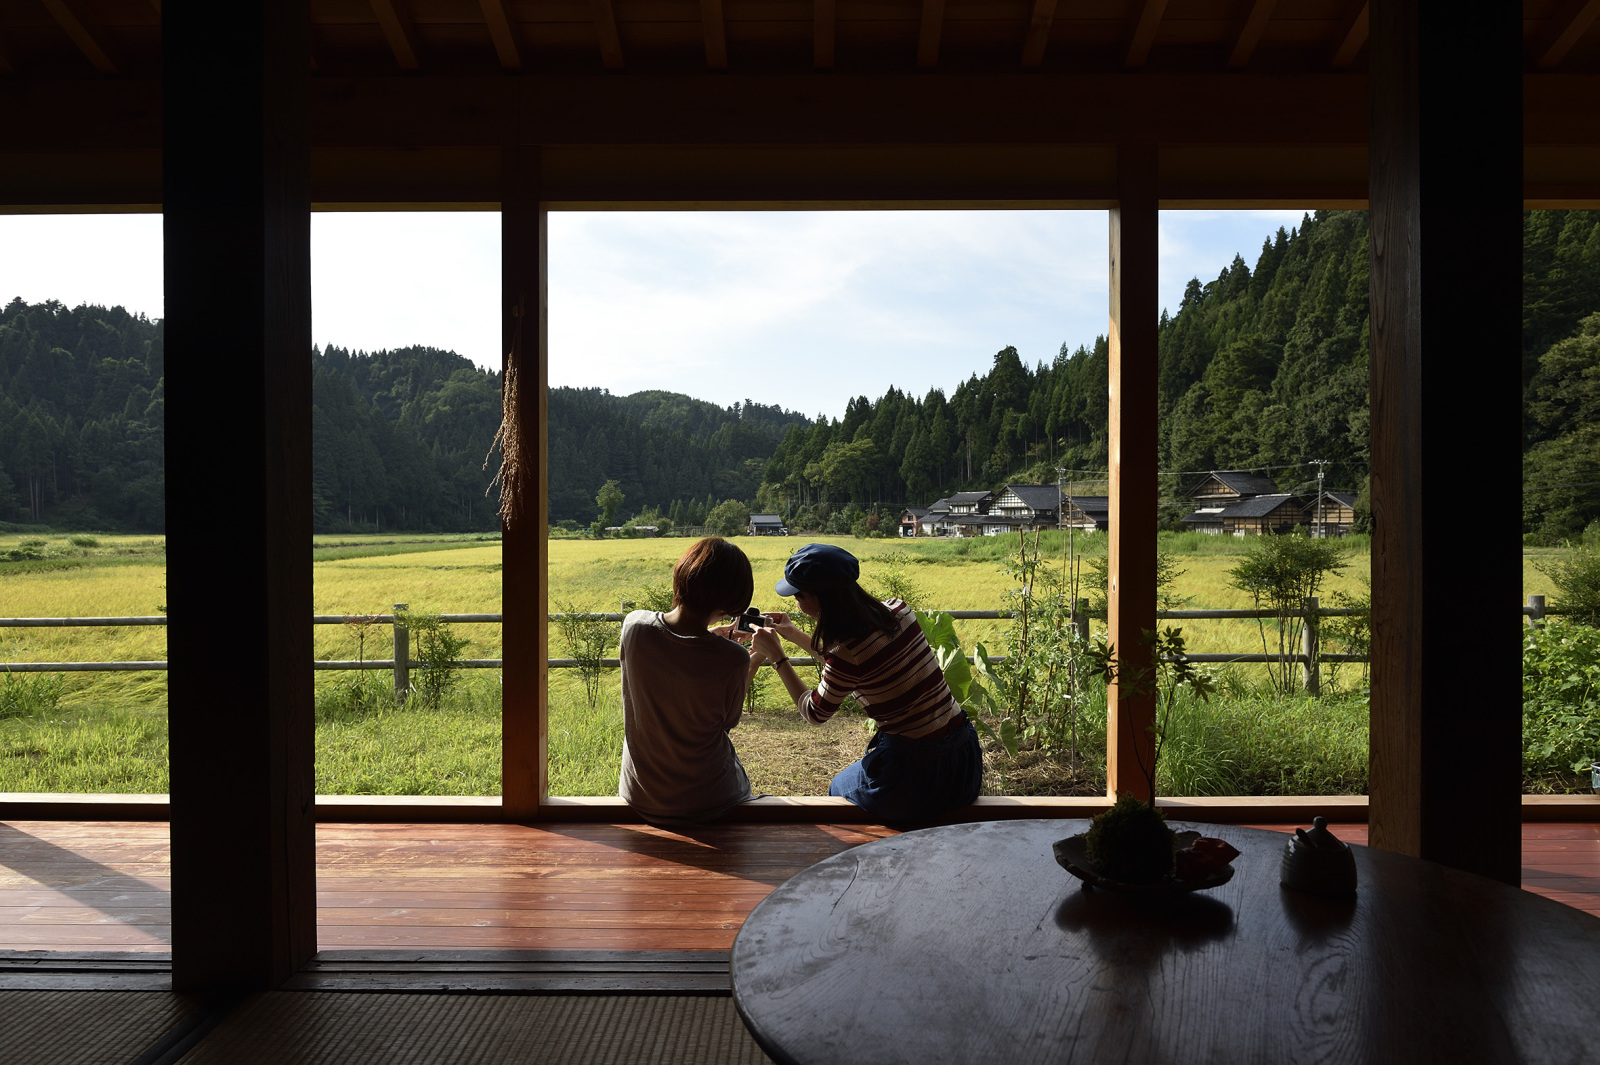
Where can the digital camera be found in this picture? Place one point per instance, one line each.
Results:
(750, 620)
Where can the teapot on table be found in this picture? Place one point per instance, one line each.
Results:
(1317, 863)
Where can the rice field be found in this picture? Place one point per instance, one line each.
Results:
(106, 731)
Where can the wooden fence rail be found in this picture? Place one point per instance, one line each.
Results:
(1309, 658)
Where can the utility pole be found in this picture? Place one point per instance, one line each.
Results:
(1322, 532)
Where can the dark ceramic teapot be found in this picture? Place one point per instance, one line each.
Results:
(1316, 862)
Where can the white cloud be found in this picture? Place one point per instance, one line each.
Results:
(800, 308)
(109, 259)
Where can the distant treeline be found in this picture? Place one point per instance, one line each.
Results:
(1263, 368)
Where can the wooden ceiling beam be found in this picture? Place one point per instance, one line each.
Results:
(716, 34)
(1144, 33)
(1039, 23)
(605, 27)
(501, 33)
(822, 33)
(1255, 23)
(928, 35)
(1571, 22)
(85, 33)
(1352, 38)
(397, 31)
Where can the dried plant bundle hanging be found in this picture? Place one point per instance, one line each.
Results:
(508, 438)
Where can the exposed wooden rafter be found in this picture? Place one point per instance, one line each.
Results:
(1044, 13)
(502, 33)
(1352, 38)
(84, 32)
(1144, 33)
(822, 33)
(605, 27)
(1568, 26)
(716, 34)
(397, 31)
(928, 36)
(1250, 33)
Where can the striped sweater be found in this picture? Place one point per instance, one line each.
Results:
(894, 676)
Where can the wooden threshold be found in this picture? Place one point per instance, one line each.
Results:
(771, 809)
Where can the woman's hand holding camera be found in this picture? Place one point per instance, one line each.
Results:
(780, 623)
(766, 642)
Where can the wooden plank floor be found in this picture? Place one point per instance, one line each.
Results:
(104, 886)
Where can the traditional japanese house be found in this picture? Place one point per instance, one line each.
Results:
(236, 120)
(766, 525)
(1280, 512)
(1224, 487)
(937, 519)
(1086, 513)
(912, 521)
(1336, 516)
(1221, 490)
(1025, 506)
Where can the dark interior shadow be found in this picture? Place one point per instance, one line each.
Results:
(85, 881)
(765, 853)
(1316, 918)
(1142, 928)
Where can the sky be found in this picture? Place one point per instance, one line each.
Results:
(800, 309)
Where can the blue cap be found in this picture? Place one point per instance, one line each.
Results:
(816, 564)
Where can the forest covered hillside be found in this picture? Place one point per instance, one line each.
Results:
(1263, 367)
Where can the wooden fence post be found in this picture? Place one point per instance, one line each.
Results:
(1535, 611)
(402, 655)
(1311, 647)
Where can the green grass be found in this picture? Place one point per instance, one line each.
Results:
(107, 732)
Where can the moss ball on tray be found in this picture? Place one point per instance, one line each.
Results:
(1131, 842)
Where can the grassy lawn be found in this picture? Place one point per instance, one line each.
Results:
(107, 731)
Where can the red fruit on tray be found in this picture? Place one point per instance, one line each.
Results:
(1204, 857)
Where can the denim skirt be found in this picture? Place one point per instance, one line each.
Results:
(904, 781)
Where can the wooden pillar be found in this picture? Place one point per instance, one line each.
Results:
(237, 231)
(1132, 593)
(524, 581)
(1446, 218)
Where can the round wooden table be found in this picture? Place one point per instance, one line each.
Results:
(969, 944)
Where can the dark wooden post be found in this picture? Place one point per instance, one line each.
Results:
(1446, 245)
(1132, 593)
(402, 654)
(1311, 647)
(524, 741)
(237, 228)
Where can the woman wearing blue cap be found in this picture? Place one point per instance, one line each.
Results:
(924, 759)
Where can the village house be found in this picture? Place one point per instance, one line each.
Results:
(1086, 513)
(1337, 517)
(767, 525)
(1236, 503)
(1024, 506)
(913, 521)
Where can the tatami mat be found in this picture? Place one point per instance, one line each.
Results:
(85, 1027)
(285, 1027)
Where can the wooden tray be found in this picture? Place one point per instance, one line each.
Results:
(1073, 856)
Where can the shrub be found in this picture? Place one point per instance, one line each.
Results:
(1280, 573)
(83, 541)
(587, 637)
(437, 648)
(30, 694)
(1560, 705)
(1577, 577)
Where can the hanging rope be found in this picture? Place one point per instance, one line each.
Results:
(508, 478)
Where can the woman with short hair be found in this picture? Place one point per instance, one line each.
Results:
(924, 759)
(683, 688)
